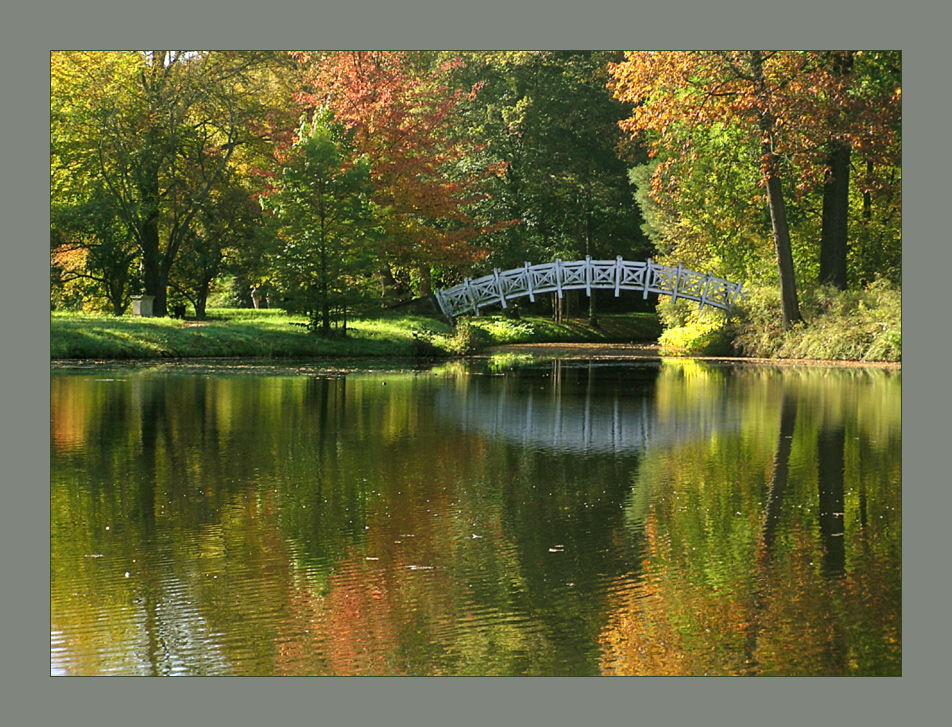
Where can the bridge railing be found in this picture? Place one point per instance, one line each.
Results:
(559, 276)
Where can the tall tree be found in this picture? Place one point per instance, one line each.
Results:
(226, 226)
(159, 128)
(840, 104)
(834, 238)
(854, 98)
(322, 201)
(669, 90)
(550, 124)
(402, 115)
(814, 113)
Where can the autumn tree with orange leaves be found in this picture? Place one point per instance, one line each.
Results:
(402, 116)
(800, 109)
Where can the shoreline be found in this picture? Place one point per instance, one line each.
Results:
(620, 352)
(632, 351)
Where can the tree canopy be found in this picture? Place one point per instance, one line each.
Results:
(188, 173)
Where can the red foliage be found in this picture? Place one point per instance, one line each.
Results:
(809, 97)
(403, 117)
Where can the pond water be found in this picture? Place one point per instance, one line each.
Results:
(656, 517)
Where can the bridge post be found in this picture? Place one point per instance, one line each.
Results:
(647, 280)
(707, 284)
(677, 284)
(445, 306)
(588, 275)
(471, 294)
(529, 283)
(558, 277)
(619, 271)
(736, 293)
(502, 297)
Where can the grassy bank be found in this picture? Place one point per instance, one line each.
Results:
(271, 334)
(863, 325)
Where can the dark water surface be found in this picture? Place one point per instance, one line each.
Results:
(554, 518)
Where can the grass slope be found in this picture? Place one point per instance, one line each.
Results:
(234, 333)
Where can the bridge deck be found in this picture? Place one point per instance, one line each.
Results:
(587, 275)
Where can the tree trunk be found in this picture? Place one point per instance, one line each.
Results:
(160, 306)
(789, 304)
(116, 291)
(388, 284)
(151, 266)
(589, 224)
(834, 240)
(426, 281)
(868, 196)
(325, 285)
(148, 237)
(201, 302)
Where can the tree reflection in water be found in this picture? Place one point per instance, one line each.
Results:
(563, 519)
(809, 588)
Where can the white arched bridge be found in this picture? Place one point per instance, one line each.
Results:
(587, 275)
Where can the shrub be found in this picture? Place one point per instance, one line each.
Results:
(468, 338)
(854, 325)
(706, 332)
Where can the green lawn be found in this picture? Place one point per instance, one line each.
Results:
(273, 334)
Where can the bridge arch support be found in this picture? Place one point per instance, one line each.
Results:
(588, 275)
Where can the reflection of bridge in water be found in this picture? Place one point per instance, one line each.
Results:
(583, 422)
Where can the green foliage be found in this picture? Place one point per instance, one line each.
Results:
(92, 252)
(698, 338)
(550, 126)
(224, 230)
(863, 325)
(467, 338)
(875, 249)
(505, 330)
(158, 159)
(326, 218)
(710, 215)
(159, 129)
(687, 330)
